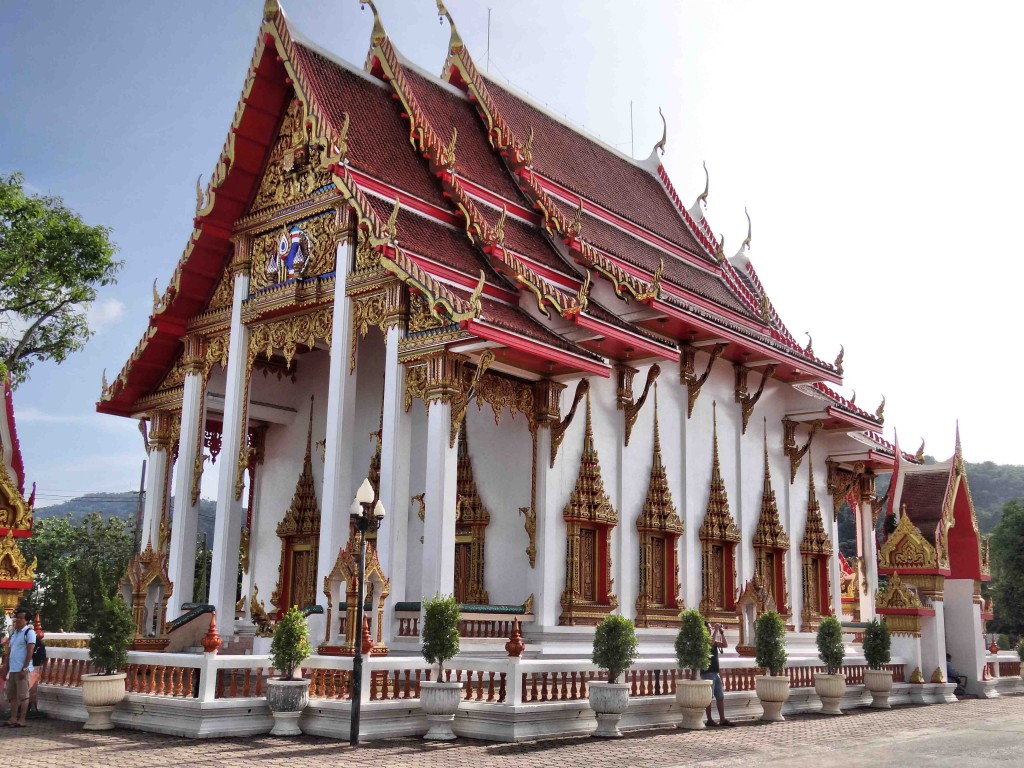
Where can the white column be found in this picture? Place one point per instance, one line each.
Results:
(438, 574)
(392, 539)
(338, 490)
(741, 511)
(869, 557)
(794, 560)
(182, 562)
(625, 539)
(156, 479)
(832, 529)
(227, 528)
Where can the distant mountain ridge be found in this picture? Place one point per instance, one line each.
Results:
(122, 505)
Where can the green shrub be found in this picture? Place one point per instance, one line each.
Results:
(112, 631)
(440, 630)
(693, 643)
(830, 644)
(770, 642)
(877, 644)
(615, 646)
(290, 645)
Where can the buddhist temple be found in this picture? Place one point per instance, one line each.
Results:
(570, 400)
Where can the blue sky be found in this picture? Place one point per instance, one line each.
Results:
(876, 145)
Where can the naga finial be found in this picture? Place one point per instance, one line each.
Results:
(475, 300)
(103, 382)
(499, 228)
(378, 34)
(156, 297)
(664, 133)
(809, 349)
(200, 195)
(583, 295)
(919, 456)
(853, 397)
(576, 225)
(707, 186)
(880, 410)
(455, 44)
(750, 228)
(839, 360)
(270, 9)
(341, 145)
(659, 273)
(528, 148)
(391, 228)
(720, 250)
(449, 153)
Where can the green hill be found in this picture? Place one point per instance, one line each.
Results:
(123, 505)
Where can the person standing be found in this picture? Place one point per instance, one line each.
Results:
(712, 673)
(18, 666)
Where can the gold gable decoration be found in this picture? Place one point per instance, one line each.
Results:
(12, 562)
(299, 532)
(719, 536)
(15, 511)
(589, 516)
(770, 541)
(293, 171)
(897, 594)
(146, 576)
(346, 572)
(471, 520)
(319, 229)
(659, 527)
(907, 548)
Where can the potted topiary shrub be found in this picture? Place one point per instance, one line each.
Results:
(286, 696)
(440, 699)
(770, 654)
(615, 649)
(876, 653)
(112, 631)
(693, 652)
(831, 685)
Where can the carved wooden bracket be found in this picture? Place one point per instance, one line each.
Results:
(789, 447)
(687, 374)
(558, 428)
(530, 523)
(460, 401)
(843, 484)
(743, 396)
(629, 407)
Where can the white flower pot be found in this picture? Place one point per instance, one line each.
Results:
(100, 694)
(693, 697)
(773, 692)
(287, 699)
(609, 701)
(879, 682)
(830, 689)
(440, 701)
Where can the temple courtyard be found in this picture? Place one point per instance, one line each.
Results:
(972, 732)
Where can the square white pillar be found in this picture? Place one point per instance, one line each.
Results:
(438, 573)
(181, 566)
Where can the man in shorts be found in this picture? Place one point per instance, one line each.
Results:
(711, 673)
(18, 666)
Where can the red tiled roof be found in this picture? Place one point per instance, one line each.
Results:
(475, 157)
(923, 495)
(597, 173)
(613, 240)
(378, 141)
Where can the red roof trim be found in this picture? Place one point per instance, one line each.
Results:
(389, 192)
(640, 343)
(445, 273)
(543, 351)
(16, 461)
(556, 189)
(475, 190)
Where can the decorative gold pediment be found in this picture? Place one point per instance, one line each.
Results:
(15, 510)
(815, 540)
(303, 516)
(907, 548)
(718, 524)
(317, 237)
(588, 501)
(897, 594)
(12, 563)
(769, 533)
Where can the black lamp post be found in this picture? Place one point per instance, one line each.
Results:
(366, 512)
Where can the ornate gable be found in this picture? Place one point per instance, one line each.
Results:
(769, 534)
(815, 540)
(718, 524)
(658, 513)
(906, 548)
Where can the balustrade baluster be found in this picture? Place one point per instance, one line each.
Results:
(533, 683)
(234, 683)
(544, 687)
(501, 689)
(572, 685)
(490, 686)
(480, 685)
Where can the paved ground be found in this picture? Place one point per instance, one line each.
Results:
(969, 733)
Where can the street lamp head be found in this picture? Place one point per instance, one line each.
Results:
(365, 493)
(378, 511)
(356, 510)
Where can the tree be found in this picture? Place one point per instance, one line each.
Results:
(51, 263)
(94, 553)
(60, 607)
(1007, 549)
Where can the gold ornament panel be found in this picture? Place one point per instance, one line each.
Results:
(321, 230)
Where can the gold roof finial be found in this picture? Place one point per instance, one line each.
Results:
(853, 397)
(475, 301)
(499, 228)
(378, 34)
(809, 349)
(455, 43)
(576, 225)
(103, 381)
(391, 228)
(449, 154)
(664, 133)
(720, 251)
(156, 296)
(750, 227)
(200, 197)
(583, 295)
(270, 9)
(703, 198)
(839, 360)
(341, 145)
(880, 410)
(919, 456)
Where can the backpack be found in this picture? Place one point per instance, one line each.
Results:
(39, 654)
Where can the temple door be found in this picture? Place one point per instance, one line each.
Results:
(463, 565)
(658, 570)
(588, 564)
(303, 576)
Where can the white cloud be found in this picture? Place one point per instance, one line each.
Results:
(103, 314)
